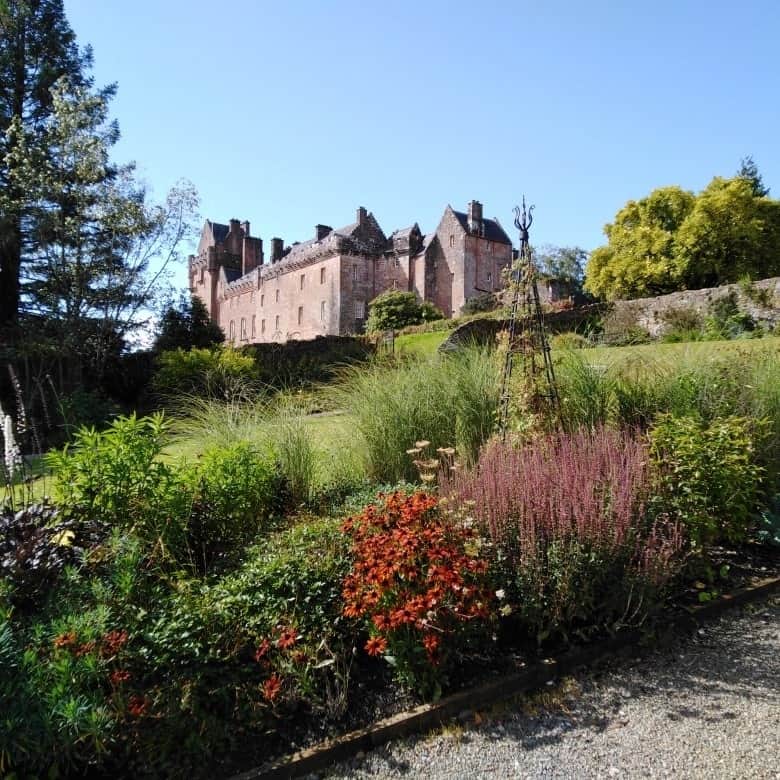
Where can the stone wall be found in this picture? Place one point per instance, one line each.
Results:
(651, 313)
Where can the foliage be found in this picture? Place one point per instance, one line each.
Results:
(564, 341)
(726, 320)
(708, 477)
(87, 273)
(749, 170)
(447, 400)
(429, 312)
(769, 523)
(212, 372)
(573, 540)
(35, 547)
(236, 493)
(394, 309)
(479, 303)
(37, 48)
(673, 240)
(564, 263)
(186, 326)
(419, 586)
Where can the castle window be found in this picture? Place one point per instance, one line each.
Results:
(452, 240)
(262, 326)
(277, 322)
(322, 276)
(254, 329)
(232, 330)
(303, 279)
(201, 274)
(322, 311)
(354, 273)
(300, 314)
(277, 296)
(243, 329)
(489, 276)
(360, 310)
(262, 300)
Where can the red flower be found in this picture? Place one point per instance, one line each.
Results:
(113, 642)
(84, 649)
(287, 638)
(431, 643)
(119, 676)
(272, 686)
(376, 645)
(382, 622)
(262, 650)
(137, 706)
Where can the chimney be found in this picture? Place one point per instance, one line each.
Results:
(234, 226)
(361, 215)
(321, 231)
(251, 253)
(245, 228)
(277, 249)
(475, 217)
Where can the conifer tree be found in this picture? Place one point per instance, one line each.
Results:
(37, 47)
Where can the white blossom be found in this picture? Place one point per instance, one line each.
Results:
(13, 457)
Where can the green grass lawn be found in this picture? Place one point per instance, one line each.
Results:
(420, 344)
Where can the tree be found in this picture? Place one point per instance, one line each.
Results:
(640, 257)
(749, 170)
(188, 326)
(730, 233)
(88, 269)
(37, 47)
(393, 310)
(565, 263)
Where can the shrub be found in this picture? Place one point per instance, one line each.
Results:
(726, 320)
(708, 477)
(419, 587)
(236, 493)
(429, 312)
(35, 546)
(479, 303)
(211, 372)
(573, 540)
(562, 341)
(393, 310)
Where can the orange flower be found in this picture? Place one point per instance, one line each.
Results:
(119, 676)
(382, 622)
(65, 640)
(431, 643)
(272, 686)
(376, 645)
(287, 639)
(262, 650)
(137, 706)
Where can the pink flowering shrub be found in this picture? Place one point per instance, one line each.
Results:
(572, 536)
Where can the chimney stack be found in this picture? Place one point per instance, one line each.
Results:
(476, 224)
(245, 228)
(234, 226)
(277, 249)
(320, 231)
(361, 215)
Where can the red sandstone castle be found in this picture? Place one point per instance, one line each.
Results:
(323, 286)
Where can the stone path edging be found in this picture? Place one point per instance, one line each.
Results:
(429, 716)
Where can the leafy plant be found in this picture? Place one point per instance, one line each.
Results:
(419, 587)
(708, 477)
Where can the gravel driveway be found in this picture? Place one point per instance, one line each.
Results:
(706, 707)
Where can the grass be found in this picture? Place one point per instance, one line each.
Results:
(420, 344)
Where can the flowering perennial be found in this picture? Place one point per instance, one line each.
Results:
(418, 583)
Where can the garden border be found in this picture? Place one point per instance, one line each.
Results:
(429, 716)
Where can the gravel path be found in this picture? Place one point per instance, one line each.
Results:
(706, 707)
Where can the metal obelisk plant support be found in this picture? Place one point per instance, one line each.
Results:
(526, 331)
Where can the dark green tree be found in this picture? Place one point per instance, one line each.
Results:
(393, 310)
(749, 170)
(37, 48)
(187, 325)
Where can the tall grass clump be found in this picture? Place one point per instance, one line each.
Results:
(586, 391)
(568, 518)
(447, 400)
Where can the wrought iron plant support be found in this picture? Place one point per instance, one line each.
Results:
(526, 331)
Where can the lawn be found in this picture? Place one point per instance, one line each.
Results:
(420, 344)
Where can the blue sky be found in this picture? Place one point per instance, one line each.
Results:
(291, 113)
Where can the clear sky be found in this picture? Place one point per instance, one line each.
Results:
(295, 112)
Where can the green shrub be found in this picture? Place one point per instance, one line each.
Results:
(212, 372)
(563, 341)
(393, 310)
(480, 303)
(708, 477)
(236, 493)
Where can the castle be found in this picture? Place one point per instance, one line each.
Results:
(323, 286)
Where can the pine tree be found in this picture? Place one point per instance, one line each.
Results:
(37, 47)
(749, 170)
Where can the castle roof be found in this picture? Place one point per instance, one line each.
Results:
(493, 229)
(218, 231)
